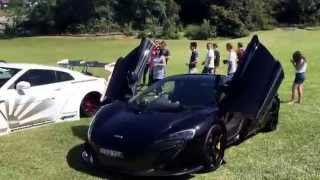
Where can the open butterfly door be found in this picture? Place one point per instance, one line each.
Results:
(255, 83)
(127, 73)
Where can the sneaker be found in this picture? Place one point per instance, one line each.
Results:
(291, 102)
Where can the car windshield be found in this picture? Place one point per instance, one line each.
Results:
(6, 74)
(177, 94)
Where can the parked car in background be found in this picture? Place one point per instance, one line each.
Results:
(181, 124)
(36, 94)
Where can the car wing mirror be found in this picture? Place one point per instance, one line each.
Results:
(23, 85)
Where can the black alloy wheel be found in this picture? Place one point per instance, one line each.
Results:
(214, 147)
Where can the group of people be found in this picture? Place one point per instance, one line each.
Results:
(212, 60)
(156, 66)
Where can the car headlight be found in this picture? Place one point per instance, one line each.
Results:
(185, 134)
(175, 140)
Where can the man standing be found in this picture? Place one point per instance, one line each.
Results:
(216, 58)
(165, 51)
(231, 60)
(194, 58)
(240, 52)
(209, 61)
(149, 65)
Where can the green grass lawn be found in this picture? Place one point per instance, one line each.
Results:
(291, 152)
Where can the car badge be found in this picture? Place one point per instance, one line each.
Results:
(118, 136)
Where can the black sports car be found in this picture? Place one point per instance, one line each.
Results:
(183, 123)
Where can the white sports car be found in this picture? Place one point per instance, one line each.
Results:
(35, 94)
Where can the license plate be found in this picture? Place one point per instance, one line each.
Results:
(111, 153)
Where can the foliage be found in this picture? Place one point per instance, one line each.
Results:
(202, 32)
(230, 17)
(298, 11)
(252, 13)
(228, 23)
(170, 30)
(127, 29)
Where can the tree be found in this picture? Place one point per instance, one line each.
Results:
(252, 13)
(73, 12)
(227, 22)
(298, 11)
(229, 17)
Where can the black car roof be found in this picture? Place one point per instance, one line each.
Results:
(196, 76)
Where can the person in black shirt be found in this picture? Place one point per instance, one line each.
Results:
(240, 52)
(165, 51)
(216, 58)
(193, 58)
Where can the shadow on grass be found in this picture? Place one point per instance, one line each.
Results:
(7, 37)
(75, 162)
(284, 101)
(80, 131)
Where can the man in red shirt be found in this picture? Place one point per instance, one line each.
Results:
(154, 53)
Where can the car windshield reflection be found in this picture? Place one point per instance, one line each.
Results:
(6, 74)
(176, 95)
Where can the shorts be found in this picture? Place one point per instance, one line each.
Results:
(216, 63)
(300, 77)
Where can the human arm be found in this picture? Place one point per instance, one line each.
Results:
(161, 62)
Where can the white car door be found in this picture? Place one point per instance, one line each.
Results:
(65, 92)
(32, 105)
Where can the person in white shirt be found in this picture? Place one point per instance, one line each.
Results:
(232, 60)
(209, 61)
(300, 64)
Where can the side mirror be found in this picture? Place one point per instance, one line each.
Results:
(23, 85)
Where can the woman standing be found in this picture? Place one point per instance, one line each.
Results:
(300, 64)
(159, 67)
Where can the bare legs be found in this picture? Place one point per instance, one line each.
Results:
(297, 89)
(300, 93)
(294, 92)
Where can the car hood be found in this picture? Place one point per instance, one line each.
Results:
(119, 128)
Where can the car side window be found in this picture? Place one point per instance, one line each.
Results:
(63, 76)
(37, 77)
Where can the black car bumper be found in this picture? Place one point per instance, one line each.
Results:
(162, 163)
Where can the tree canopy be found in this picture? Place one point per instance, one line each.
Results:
(225, 17)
